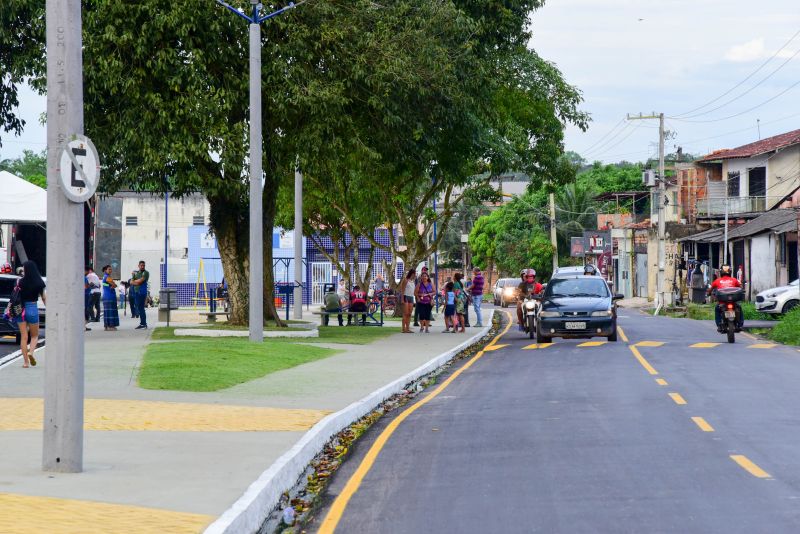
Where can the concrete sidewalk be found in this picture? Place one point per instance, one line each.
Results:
(174, 461)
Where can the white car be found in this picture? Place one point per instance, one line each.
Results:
(778, 299)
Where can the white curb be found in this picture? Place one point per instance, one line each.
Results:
(251, 510)
(205, 332)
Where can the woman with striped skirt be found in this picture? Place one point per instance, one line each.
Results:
(110, 312)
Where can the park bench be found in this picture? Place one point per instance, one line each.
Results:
(374, 317)
(211, 317)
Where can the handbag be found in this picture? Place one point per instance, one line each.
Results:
(14, 308)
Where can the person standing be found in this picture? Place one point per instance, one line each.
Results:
(408, 289)
(424, 295)
(132, 296)
(477, 295)
(139, 282)
(468, 290)
(461, 299)
(95, 294)
(31, 287)
(423, 269)
(344, 301)
(110, 313)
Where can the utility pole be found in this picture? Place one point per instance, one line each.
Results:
(298, 242)
(256, 295)
(553, 239)
(662, 195)
(63, 381)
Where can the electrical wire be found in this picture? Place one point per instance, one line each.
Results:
(742, 112)
(729, 91)
(604, 145)
(625, 138)
(589, 148)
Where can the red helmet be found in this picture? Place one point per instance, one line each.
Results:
(528, 272)
(5, 268)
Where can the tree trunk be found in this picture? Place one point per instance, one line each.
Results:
(227, 218)
(489, 270)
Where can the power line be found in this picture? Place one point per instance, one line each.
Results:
(604, 145)
(729, 91)
(589, 148)
(606, 149)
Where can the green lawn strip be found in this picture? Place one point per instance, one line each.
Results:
(705, 312)
(226, 326)
(787, 331)
(217, 363)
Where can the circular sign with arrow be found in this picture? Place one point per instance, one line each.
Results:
(79, 171)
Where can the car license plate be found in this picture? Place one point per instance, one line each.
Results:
(730, 315)
(574, 325)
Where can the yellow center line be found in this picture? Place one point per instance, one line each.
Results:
(336, 512)
(677, 398)
(592, 343)
(704, 345)
(745, 463)
(622, 334)
(661, 382)
(650, 344)
(703, 424)
(645, 363)
(762, 346)
(537, 346)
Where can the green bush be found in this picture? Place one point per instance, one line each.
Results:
(787, 331)
(750, 313)
(701, 312)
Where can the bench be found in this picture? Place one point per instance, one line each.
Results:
(211, 317)
(371, 319)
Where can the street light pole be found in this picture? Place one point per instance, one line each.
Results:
(63, 374)
(256, 153)
(298, 242)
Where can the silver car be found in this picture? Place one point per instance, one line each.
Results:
(505, 292)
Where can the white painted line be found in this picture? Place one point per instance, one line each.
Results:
(248, 513)
(8, 359)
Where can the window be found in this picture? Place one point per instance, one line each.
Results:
(131, 221)
(733, 184)
(198, 220)
(758, 182)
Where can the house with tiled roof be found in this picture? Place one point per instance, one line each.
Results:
(749, 179)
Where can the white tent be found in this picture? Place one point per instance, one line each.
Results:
(21, 201)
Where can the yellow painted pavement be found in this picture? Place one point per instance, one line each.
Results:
(130, 415)
(762, 346)
(649, 343)
(23, 514)
(537, 346)
(490, 348)
(677, 398)
(592, 343)
(661, 382)
(704, 345)
(746, 464)
(703, 424)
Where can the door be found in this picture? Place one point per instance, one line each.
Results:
(641, 275)
(321, 274)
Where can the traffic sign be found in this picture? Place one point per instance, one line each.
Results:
(79, 171)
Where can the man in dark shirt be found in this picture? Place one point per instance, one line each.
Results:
(477, 295)
(139, 286)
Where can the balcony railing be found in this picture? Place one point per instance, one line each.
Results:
(714, 206)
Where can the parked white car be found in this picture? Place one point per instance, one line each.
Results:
(779, 299)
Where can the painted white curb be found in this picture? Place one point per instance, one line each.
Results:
(249, 512)
(204, 332)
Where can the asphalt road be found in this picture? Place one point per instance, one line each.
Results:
(8, 343)
(567, 438)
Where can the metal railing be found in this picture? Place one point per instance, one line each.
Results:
(712, 206)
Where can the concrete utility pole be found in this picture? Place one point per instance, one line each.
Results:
(662, 195)
(298, 243)
(63, 380)
(553, 238)
(256, 153)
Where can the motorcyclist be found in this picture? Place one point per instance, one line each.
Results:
(725, 281)
(528, 286)
(589, 270)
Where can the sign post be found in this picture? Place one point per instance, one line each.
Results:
(66, 185)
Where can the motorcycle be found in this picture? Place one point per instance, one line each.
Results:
(530, 309)
(730, 311)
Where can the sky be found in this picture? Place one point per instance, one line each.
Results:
(644, 56)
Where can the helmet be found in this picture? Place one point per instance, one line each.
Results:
(589, 269)
(528, 272)
(725, 270)
(5, 268)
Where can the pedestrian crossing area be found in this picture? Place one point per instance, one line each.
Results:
(647, 344)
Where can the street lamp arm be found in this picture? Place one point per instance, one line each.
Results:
(291, 5)
(235, 11)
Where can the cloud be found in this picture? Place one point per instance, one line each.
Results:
(749, 51)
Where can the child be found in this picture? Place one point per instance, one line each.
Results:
(449, 308)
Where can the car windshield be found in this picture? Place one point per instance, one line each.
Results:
(577, 287)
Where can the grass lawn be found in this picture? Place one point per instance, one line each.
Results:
(787, 331)
(705, 312)
(353, 335)
(217, 363)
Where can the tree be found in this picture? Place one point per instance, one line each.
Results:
(31, 167)
(22, 45)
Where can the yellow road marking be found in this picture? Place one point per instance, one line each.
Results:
(751, 336)
(749, 466)
(490, 348)
(130, 415)
(649, 343)
(661, 382)
(645, 363)
(762, 346)
(703, 424)
(622, 334)
(704, 345)
(677, 398)
(592, 343)
(328, 525)
(537, 346)
(24, 514)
